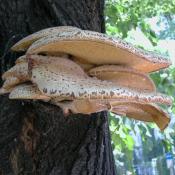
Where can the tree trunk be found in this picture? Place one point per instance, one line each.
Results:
(35, 137)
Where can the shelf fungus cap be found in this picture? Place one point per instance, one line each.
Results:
(54, 81)
(55, 64)
(97, 48)
(21, 59)
(142, 112)
(16, 75)
(4, 91)
(19, 71)
(139, 111)
(27, 91)
(124, 76)
(10, 82)
(23, 44)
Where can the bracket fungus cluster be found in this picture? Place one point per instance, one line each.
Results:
(85, 72)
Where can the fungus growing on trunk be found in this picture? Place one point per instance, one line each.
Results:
(86, 72)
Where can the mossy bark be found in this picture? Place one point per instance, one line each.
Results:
(35, 137)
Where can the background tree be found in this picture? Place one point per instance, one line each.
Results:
(35, 137)
(144, 23)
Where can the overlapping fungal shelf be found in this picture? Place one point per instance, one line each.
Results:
(86, 72)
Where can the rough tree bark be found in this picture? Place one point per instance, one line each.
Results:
(35, 137)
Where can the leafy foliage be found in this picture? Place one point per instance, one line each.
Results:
(122, 16)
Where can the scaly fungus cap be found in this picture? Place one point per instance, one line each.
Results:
(55, 80)
(20, 70)
(23, 44)
(97, 48)
(27, 91)
(58, 64)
